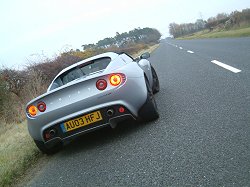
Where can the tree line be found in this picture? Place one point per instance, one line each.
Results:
(138, 35)
(222, 21)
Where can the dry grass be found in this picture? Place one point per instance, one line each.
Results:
(150, 50)
(243, 32)
(17, 152)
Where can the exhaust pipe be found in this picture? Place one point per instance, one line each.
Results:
(110, 112)
(52, 133)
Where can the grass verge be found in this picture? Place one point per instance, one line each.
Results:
(243, 32)
(150, 50)
(17, 150)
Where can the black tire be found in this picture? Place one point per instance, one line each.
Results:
(49, 150)
(156, 83)
(149, 110)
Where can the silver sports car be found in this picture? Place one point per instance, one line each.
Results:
(99, 91)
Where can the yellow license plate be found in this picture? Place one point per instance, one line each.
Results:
(81, 121)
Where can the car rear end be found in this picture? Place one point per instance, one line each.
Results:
(86, 104)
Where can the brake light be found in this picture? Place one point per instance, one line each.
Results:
(115, 79)
(121, 109)
(32, 110)
(101, 84)
(41, 106)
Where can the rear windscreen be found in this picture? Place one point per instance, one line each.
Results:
(85, 69)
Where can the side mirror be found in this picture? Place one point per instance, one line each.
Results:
(145, 55)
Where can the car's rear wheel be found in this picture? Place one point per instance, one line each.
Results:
(48, 150)
(149, 110)
(156, 84)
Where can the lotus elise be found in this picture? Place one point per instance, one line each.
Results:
(99, 91)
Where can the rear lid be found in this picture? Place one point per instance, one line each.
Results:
(76, 95)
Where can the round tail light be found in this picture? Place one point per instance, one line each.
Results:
(41, 106)
(32, 110)
(101, 84)
(115, 80)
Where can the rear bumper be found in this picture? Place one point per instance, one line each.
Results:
(61, 136)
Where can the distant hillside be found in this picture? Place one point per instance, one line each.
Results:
(221, 22)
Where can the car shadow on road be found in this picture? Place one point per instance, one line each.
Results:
(103, 136)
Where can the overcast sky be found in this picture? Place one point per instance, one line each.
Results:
(33, 28)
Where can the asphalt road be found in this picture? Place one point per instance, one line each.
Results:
(202, 137)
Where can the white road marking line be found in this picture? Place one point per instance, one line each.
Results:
(230, 68)
(190, 52)
(180, 47)
(171, 44)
